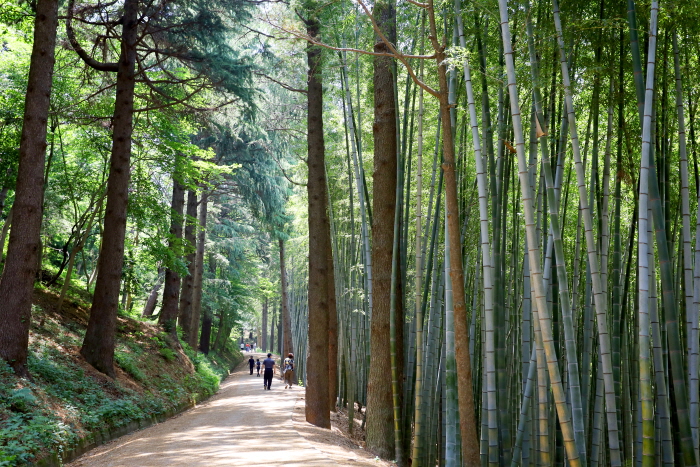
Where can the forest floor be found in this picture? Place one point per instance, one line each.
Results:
(67, 400)
(241, 425)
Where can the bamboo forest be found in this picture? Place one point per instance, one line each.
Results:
(460, 233)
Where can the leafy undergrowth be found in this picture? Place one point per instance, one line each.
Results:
(66, 398)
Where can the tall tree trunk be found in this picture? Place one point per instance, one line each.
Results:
(279, 334)
(205, 337)
(332, 327)
(98, 345)
(171, 291)
(317, 412)
(198, 272)
(187, 292)
(380, 414)
(273, 326)
(150, 306)
(467, 420)
(288, 346)
(264, 335)
(17, 282)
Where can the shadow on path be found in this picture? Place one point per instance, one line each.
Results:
(242, 425)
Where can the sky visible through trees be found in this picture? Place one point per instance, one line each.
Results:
(475, 223)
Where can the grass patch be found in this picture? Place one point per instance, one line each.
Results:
(66, 398)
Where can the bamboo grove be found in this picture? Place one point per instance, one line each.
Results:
(546, 226)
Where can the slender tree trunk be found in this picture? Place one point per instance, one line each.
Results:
(187, 292)
(332, 327)
(264, 335)
(273, 326)
(171, 291)
(278, 348)
(286, 317)
(380, 416)
(467, 420)
(5, 229)
(79, 243)
(317, 412)
(198, 272)
(150, 306)
(17, 282)
(205, 336)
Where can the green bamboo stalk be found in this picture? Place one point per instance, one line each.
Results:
(363, 199)
(570, 343)
(485, 252)
(690, 306)
(398, 451)
(451, 445)
(536, 273)
(647, 409)
(418, 426)
(663, 414)
(593, 258)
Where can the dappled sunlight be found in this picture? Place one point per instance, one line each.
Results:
(241, 425)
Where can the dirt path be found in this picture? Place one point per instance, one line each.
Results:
(241, 425)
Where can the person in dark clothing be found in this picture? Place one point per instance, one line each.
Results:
(269, 365)
(257, 363)
(251, 363)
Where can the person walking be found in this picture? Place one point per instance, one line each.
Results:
(288, 371)
(251, 363)
(257, 363)
(242, 346)
(269, 365)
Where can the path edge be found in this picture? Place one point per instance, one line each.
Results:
(99, 437)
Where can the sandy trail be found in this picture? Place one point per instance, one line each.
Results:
(241, 425)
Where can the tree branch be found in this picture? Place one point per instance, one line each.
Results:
(402, 58)
(91, 62)
(285, 86)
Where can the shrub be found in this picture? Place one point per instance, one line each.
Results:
(129, 364)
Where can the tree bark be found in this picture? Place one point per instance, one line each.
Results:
(205, 337)
(171, 291)
(98, 346)
(317, 412)
(17, 282)
(263, 335)
(467, 419)
(380, 411)
(286, 318)
(187, 292)
(198, 272)
(279, 333)
(79, 243)
(272, 333)
(150, 306)
(332, 327)
(5, 229)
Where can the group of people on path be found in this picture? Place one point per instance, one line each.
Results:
(248, 347)
(269, 370)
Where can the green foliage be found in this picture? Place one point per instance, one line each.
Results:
(127, 362)
(167, 354)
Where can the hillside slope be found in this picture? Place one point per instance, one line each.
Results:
(66, 399)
